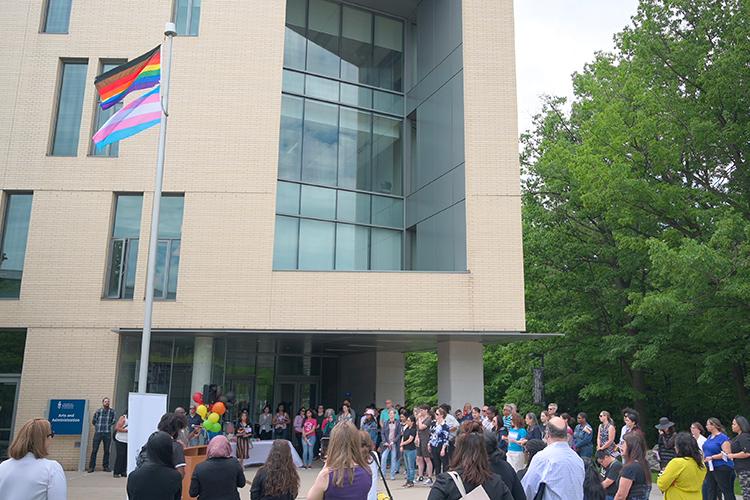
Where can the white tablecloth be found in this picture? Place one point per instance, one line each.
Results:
(261, 449)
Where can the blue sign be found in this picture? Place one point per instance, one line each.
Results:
(66, 416)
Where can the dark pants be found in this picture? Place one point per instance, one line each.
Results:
(121, 458)
(266, 435)
(318, 436)
(439, 464)
(99, 437)
(719, 481)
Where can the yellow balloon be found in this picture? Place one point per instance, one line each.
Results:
(213, 417)
(202, 410)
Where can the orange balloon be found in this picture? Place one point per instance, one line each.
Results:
(219, 408)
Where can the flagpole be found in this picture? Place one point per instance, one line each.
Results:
(169, 32)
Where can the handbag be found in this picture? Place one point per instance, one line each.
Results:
(381, 496)
(477, 493)
(540, 492)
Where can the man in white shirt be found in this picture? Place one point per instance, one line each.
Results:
(557, 466)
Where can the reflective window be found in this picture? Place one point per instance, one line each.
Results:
(187, 15)
(285, 243)
(57, 17)
(323, 37)
(168, 248)
(386, 155)
(294, 36)
(387, 211)
(352, 245)
(353, 207)
(385, 249)
(318, 202)
(355, 149)
(101, 117)
(316, 240)
(293, 82)
(14, 234)
(287, 198)
(69, 108)
(356, 45)
(290, 138)
(321, 88)
(124, 246)
(388, 53)
(320, 143)
(356, 96)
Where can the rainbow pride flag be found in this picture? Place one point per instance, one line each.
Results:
(136, 116)
(143, 72)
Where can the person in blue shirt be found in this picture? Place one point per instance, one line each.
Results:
(583, 437)
(720, 475)
(516, 441)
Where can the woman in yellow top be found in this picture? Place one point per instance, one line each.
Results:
(682, 478)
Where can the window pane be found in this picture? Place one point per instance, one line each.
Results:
(355, 149)
(356, 45)
(356, 96)
(290, 137)
(316, 244)
(285, 243)
(128, 216)
(69, 108)
(131, 263)
(388, 53)
(287, 198)
(386, 155)
(294, 37)
(115, 268)
(293, 82)
(58, 16)
(321, 143)
(387, 211)
(15, 233)
(161, 266)
(385, 252)
(195, 17)
(323, 38)
(322, 88)
(388, 103)
(170, 217)
(352, 246)
(187, 16)
(174, 268)
(112, 149)
(318, 202)
(353, 207)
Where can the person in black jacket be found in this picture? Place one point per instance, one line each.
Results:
(472, 465)
(666, 441)
(278, 478)
(220, 475)
(157, 478)
(502, 468)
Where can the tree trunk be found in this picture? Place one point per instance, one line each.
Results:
(738, 377)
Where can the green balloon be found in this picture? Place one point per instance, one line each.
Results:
(216, 427)
(207, 425)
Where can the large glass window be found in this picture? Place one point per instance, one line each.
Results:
(123, 247)
(14, 234)
(168, 247)
(340, 191)
(187, 16)
(102, 115)
(57, 16)
(69, 108)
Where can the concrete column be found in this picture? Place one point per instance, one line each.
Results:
(389, 381)
(203, 353)
(460, 373)
(356, 380)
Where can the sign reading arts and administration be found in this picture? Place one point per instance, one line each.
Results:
(66, 416)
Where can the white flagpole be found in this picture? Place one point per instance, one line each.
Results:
(169, 32)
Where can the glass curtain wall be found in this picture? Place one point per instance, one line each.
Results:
(340, 202)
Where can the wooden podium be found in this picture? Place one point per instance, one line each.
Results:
(193, 456)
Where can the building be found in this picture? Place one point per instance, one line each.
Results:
(342, 187)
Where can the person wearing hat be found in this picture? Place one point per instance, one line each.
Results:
(666, 441)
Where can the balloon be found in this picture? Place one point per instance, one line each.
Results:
(213, 417)
(202, 411)
(219, 408)
(198, 398)
(216, 427)
(207, 425)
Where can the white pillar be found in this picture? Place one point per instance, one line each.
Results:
(389, 379)
(460, 373)
(203, 353)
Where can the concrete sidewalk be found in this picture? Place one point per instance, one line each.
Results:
(102, 486)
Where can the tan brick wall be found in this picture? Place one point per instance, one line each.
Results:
(222, 152)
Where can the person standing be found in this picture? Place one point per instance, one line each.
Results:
(557, 466)
(244, 434)
(369, 425)
(390, 442)
(385, 413)
(741, 453)
(533, 429)
(610, 473)
(309, 426)
(280, 423)
(501, 467)
(277, 479)
(424, 460)
(28, 474)
(551, 410)
(157, 478)
(299, 419)
(265, 423)
(699, 434)
(605, 438)
(346, 414)
(583, 437)
(439, 437)
(409, 449)
(682, 478)
(195, 423)
(666, 441)
(328, 423)
(320, 415)
(720, 477)
(103, 421)
(121, 446)
(516, 442)
(220, 475)
(635, 477)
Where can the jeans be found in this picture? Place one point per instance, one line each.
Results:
(391, 452)
(100, 437)
(308, 445)
(410, 457)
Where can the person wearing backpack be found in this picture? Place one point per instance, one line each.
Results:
(470, 476)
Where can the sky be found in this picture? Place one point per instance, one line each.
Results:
(555, 38)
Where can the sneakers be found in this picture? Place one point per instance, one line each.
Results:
(420, 479)
(428, 481)
(409, 484)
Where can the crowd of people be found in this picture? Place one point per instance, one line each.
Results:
(509, 455)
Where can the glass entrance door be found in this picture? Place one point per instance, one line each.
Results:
(8, 395)
(297, 393)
